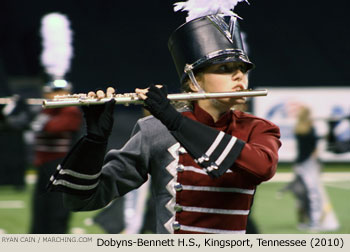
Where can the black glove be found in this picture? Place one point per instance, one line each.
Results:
(99, 120)
(159, 105)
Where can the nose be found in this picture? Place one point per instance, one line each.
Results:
(238, 79)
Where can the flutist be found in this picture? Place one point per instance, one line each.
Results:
(205, 160)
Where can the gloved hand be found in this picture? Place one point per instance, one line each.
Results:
(159, 105)
(99, 120)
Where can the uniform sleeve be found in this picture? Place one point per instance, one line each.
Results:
(212, 149)
(80, 171)
(124, 170)
(259, 156)
(217, 151)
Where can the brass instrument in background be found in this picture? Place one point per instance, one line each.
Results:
(132, 98)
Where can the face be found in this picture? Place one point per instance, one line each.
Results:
(226, 77)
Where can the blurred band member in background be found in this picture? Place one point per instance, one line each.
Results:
(15, 118)
(314, 210)
(55, 131)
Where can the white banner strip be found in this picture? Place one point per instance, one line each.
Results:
(183, 243)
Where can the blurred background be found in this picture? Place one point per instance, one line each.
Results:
(301, 52)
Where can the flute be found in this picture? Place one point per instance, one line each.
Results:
(132, 98)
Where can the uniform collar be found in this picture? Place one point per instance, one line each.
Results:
(205, 118)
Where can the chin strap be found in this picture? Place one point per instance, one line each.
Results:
(189, 72)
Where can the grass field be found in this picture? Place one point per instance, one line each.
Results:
(273, 215)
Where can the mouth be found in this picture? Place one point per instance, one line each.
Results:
(239, 87)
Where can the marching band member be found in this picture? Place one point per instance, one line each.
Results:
(314, 209)
(205, 160)
(55, 129)
(15, 118)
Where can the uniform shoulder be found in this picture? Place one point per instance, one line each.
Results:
(150, 123)
(239, 115)
(152, 131)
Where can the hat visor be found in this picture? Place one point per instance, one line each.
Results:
(220, 59)
(226, 59)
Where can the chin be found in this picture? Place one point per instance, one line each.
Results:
(236, 101)
(240, 101)
(229, 102)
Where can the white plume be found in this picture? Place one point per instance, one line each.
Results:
(57, 44)
(200, 8)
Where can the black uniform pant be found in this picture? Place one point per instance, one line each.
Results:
(49, 216)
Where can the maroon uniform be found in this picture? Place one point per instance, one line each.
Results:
(223, 203)
(56, 130)
(55, 138)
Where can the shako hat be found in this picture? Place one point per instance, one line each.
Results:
(213, 37)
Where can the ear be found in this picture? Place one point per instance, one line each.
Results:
(193, 87)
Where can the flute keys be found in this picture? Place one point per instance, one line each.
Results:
(70, 97)
(110, 92)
